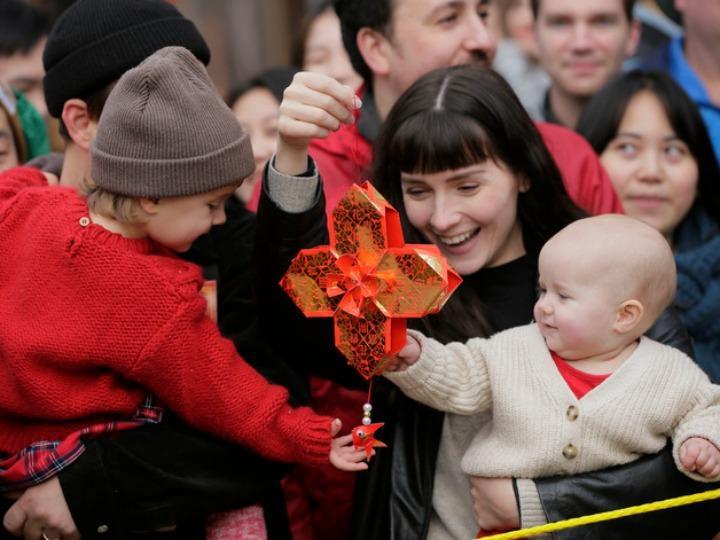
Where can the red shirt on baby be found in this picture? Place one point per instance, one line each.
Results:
(579, 382)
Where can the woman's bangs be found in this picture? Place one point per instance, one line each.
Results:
(438, 141)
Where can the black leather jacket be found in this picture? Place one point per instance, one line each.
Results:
(393, 498)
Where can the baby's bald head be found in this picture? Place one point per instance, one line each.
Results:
(631, 258)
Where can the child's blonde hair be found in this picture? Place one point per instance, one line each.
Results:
(113, 205)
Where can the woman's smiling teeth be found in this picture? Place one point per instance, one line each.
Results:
(457, 239)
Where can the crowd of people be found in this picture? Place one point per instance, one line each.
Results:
(563, 157)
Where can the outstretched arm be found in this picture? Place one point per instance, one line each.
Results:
(450, 378)
(291, 217)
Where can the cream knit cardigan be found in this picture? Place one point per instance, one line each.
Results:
(656, 393)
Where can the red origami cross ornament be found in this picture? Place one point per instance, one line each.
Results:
(369, 280)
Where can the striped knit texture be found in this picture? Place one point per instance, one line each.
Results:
(165, 132)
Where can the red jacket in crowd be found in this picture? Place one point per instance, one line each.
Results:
(344, 158)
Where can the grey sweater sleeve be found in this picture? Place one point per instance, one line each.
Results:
(293, 194)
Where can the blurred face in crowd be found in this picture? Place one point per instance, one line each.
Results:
(653, 171)
(325, 53)
(8, 153)
(24, 72)
(701, 19)
(428, 34)
(520, 27)
(583, 43)
(469, 213)
(257, 110)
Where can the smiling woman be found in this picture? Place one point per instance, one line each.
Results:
(654, 145)
(484, 200)
(466, 169)
(469, 213)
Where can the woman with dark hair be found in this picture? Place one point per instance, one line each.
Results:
(443, 127)
(467, 170)
(656, 150)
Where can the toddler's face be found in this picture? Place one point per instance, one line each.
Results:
(176, 222)
(576, 309)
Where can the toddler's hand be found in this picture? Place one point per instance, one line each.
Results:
(406, 357)
(312, 106)
(342, 453)
(701, 456)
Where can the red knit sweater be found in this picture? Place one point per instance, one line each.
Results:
(90, 321)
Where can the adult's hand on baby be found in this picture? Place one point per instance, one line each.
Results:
(701, 456)
(312, 106)
(342, 452)
(406, 357)
(41, 509)
(494, 504)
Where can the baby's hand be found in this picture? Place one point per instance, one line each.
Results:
(342, 453)
(406, 357)
(701, 456)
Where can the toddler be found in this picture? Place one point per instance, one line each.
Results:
(98, 312)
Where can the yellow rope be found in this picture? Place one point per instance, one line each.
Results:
(606, 516)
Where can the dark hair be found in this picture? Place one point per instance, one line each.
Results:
(357, 14)
(21, 27)
(455, 117)
(602, 116)
(628, 6)
(275, 79)
(52, 8)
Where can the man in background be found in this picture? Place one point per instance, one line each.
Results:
(581, 45)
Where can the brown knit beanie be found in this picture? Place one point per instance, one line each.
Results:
(165, 132)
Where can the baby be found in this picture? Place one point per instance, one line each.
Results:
(581, 388)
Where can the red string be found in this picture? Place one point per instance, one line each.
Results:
(356, 160)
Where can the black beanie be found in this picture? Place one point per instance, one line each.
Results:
(95, 41)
